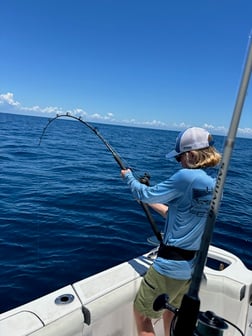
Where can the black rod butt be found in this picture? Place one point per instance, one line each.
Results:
(187, 316)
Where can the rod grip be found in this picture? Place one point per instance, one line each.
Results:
(187, 316)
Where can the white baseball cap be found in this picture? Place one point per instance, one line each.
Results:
(190, 139)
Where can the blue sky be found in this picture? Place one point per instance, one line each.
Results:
(168, 64)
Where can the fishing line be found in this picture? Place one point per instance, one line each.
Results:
(188, 313)
(143, 179)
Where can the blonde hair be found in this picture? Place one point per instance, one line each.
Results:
(202, 158)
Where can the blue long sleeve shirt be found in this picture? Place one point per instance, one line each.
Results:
(188, 194)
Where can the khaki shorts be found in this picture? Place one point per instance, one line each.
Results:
(154, 284)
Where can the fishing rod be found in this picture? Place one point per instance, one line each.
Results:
(188, 312)
(144, 179)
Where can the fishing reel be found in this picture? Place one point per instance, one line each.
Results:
(145, 179)
(208, 323)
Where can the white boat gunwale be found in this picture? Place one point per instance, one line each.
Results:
(103, 302)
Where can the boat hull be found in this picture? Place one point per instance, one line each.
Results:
(101, 305)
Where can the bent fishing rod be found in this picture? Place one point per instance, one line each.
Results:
(144, 179)
(188, 312)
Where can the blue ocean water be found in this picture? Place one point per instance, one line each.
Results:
(67, 214)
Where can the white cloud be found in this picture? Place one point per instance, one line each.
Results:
(245, 131)
(180, 125)
(207, 126)
(155, 123)
(8, 99)
(77, 112)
